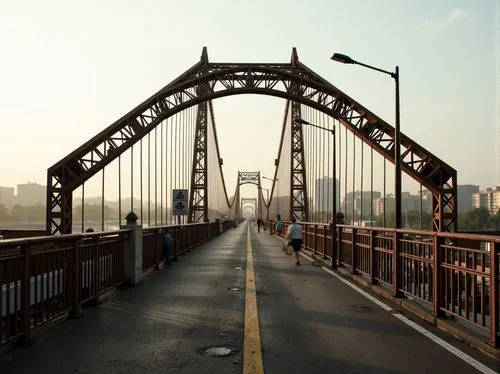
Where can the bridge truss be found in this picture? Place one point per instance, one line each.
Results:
(249, 200)
(206, 81)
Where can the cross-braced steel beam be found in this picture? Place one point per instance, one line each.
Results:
(298, 187)
(198, 208)
(252, 177)
(249, 200)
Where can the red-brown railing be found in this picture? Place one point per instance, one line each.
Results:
(45, 277)
(15, 234)
(184, 237)
(455, 274)
(449, 273)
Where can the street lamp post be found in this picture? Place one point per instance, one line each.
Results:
(272, 180)
(267, 198)
(267, 202)
(397, 136)
(334, 190)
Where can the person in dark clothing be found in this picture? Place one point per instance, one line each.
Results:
(259, 223)
(168, 243)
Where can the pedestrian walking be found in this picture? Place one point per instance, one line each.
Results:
(259, 223)
(277, 224)
(294, 237)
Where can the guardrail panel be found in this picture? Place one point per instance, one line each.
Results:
(50, 279)
(362, 248)
(346, 242)
(466, 276)
(383, 257)
(416, 264)
(11, 272)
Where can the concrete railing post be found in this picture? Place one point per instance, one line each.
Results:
(132, 257)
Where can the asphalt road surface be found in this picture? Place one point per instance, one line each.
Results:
(308, 322)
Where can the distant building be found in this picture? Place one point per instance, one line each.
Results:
(410, 203)
(382, 203)
(31, 194)
(7, 196)
(464, 197)
(489, 199)
(362, 202)
(426, 201)
(323, 194)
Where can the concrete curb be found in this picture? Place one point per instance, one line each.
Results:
(444, 325)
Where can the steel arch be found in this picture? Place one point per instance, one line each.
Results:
(207, 81)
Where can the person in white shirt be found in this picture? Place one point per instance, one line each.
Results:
(294, 237)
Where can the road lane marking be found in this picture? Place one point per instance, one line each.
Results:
(450, 348)
(457, 352)
(252, 349)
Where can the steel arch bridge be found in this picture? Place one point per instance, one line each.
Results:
(247, 201)
(253, 178)
(206, 81)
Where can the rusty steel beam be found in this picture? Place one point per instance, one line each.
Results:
(298, 186)
(294, 82)
(298, 190)
(198, 207)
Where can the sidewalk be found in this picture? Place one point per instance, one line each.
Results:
(310, 321)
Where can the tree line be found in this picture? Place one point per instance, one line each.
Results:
(478, 219)
(37, 213)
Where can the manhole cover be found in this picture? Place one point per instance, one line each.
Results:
(218, 351)
(234, 289)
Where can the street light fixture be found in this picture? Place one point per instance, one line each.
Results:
(334, 189)
(271, 179)
(397, 136)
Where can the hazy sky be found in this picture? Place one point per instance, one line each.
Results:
(68, 69)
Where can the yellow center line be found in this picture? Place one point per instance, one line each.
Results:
(252, 350)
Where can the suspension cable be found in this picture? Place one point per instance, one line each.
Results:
(102, 197)
(149, 179)
(83, 206)
(119, 189)
(371, 185)
(385, 194)
(353, 174)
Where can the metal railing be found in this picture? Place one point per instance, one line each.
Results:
(44, 278)
(185, 237)
(450, 274)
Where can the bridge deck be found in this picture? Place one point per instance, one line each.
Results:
(310, 322)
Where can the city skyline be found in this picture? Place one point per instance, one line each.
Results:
(467, 198)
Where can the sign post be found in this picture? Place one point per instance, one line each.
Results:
(180, 204)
